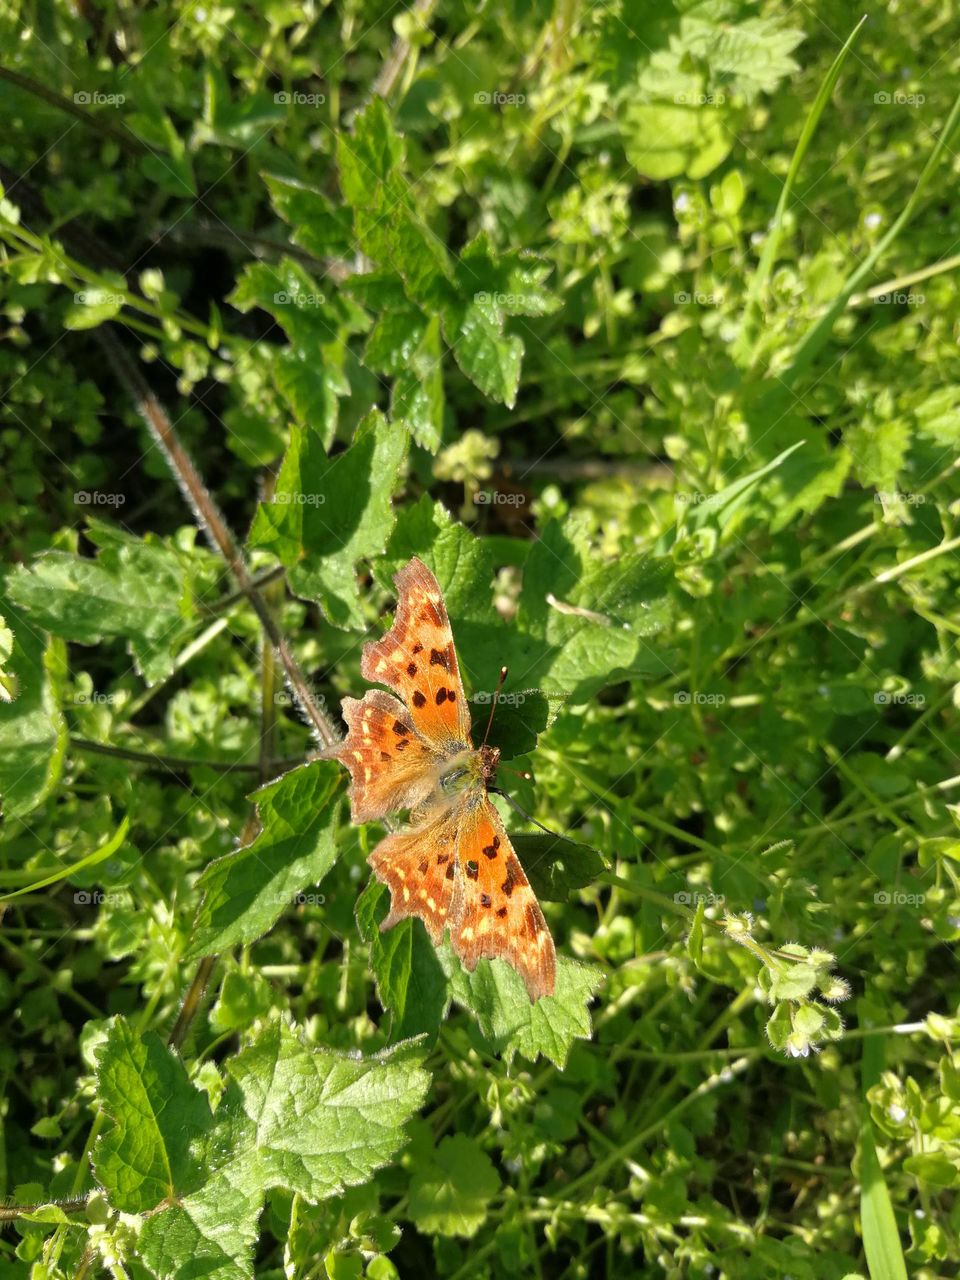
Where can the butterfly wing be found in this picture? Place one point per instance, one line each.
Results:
(498, 914)
(417, 660)
(391, 767)
(419, 867)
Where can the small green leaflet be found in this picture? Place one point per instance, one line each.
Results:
(291, 1115)
(246, 891)
(451, 1194)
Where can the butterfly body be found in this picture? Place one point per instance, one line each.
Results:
(452, 865)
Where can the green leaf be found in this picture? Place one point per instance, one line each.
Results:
(793, 982)
(451, 1195)
(386, 223)
(328, 513)
(146, 1153)
(317, 225)
(496, 996)
(418, 390)
(556, 867)
(582, 623)
(245, 892)
(33, 734)
(488, 357)
(411, 983)
(667, 140)
(64, 871)
(136, 590)
(93, 306)
(723, 508)
(292, 1115)
(933, 1167)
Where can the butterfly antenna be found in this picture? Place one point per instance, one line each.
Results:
(556, 834)
(496, 695)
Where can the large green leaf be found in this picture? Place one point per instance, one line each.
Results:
(245, 892)
(291, 1115)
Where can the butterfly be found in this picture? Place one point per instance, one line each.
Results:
(452, 865)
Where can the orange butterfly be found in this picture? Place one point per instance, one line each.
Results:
(453, 865)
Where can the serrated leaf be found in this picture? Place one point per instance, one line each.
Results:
(33, 734)
(411, 983)
(417, 398)
(138, 591)
(494, 993)
(317, 225)
(146, 1154)
(451, 1195)
(245, 892)
(292, 1115)
(556, 867)
(328, 513)
(489, 357)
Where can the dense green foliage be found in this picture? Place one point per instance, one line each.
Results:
(638, 323)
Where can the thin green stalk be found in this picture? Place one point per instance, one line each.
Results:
(745, 341)
(818, 336)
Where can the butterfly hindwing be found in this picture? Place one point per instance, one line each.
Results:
(417, 659)
(499, 915)
(418, 866)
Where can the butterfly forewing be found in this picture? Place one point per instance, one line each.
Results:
(416, 658)
(391, 767)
